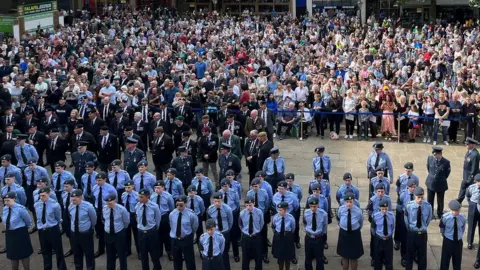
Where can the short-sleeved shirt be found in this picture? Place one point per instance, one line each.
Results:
(442, 107)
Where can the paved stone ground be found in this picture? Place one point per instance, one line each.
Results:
(347, 156)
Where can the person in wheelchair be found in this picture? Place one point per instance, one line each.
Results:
(287, 119)
(304, 118)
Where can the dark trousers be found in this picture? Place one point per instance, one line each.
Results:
(100, 232)
(314, 250)
(451, 250)
(335, 120)
(226, 250)
(105, 167)
(199, 231)
(317, 119)
(383, 253)
(147, 241)
(82, 245)
(281, 124)
(164, 235)
(235, 233)
(473, 222)
(400, 232)
(252, 249)
(264, 232)
(350, 126)
(273, 180)
(132, 229)
(463, 189)
(470, 128)
(440, 200)
(115, 246)
(417, 244)
(51, 238)
(183, 247)
(452, 130)
(161, 170)
(296, 233)
(214, 263)
(252, 170)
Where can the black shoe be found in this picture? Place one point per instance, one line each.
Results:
(372, 262)
(170, 257)
(40, 252)
(298, 245)
(139, 257)
(68, 254)
(404, 262)
(195, 241)
(98, 254)
(476, 265)
(269, 243)
(3, 231)
(128, 253)
(236, 258)
(33, 230)
(470, 246)
(415, 259)
(3, 250)
(265, 259)
(325, 246)
(294, 261)
(396, 246)
(325, 261)
(62, 231)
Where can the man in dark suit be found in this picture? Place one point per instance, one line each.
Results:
(93, 123)
(39, 140)
(251, 154)
(162, 152)
(167, 117)
(265, 145)
(84, 108)
(269, 117)
(191, 147)
(10, 118)
(438, 169)
(254, 122)
(127, 111)
(222, 114)
(185, 111)
(106, 110)
(146, 111)
(41, 107)
(8, 134)
(228, 161)
(140, 128)
(243, 115)
(20, 111)
(107, 149)
(235, 127)
(27, 120)
(208, 147)
(49, 121)
(128, 133)
(470, 167)
(205, 123)
(123, 78)
(81, 135)
(118, 124)
(56, 148)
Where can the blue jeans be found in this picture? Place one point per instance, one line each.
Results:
(436, 126)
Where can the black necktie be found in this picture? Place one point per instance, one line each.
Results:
(377, 160)
(112, 224)
(192, 204)
(455, 229)
(67, 201)
(210, 247)
(44, 213)
(349, 220)
(385, 225)
(419, 217)
(322, 169)
(250, 224)
(7, 222)
(282, 226)
(275, 170)
(57, 185)
(170, 186)
(89, 184)
(179, 225)
(225, 198)
(5, 172)
(24, 157)
(199, 187)
(314, 221)
(256, 199)
(144, 216)
(141, 181)
(32, 180)
(158, 199)
(100, 198)
(283, 198)
(219, 219)
(127, 203)
(252, 146)
(115, 180)
(411, 196)
(76, 224)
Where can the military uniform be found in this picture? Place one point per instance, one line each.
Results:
(231, 198)
(117, 219)
(438, 169)
(32, 174)
(64, 201)
(251, 223)
(473, 200)
(79, 159)
(379, 179)
(177, 131)
(404, 178)
(400, 236)
(325, 185)
(379, 158)
(223, 215)
(315, 222)
(297, 190)
(143, 179)
(10, 168)
(195, 203)
(129, 200)
(131, 158)
(166, 204)
(283, 246)
(88, 182)
(452, 226)
(228, 162)
(118, 177)
(470, 167)
(11, 186)
(350, 222)
(204, 186)
(184, 166)
(262, 202)
(383, 224)
(211, 246)
(347, 187)
(322, 162)
(274, 167)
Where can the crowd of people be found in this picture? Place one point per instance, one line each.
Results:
(111, 87)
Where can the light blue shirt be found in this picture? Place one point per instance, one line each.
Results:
(207, 186)
(243, 220)
(122, 178)
(218, 243)
(198, 205)
(263, 200)
(322, 221)
(277, 223)
(403, 180)
(403, 199)
(357, 217)
(19, 217)
(288, 197)
(110, 89)
(12, 169)
(267, 187)
(268, 165)
(132, 197)
(174, 186)
(189, 222)
(121, 218)
(411, 216)
(344, 188)
(473, 194)
(148, 181)
(107, 189)
(227, 216)
(21, 196)
(378, 219)
(38, 172)
(65, 175)
(325, 184)
(231, 196)
(29, 151)
(295, 188)
(373, 207)
(36, 195)
(166, 202)
(53, 214)
(92, 181)
(327, 164)
(384, 162)
(153, 215)
(322, 202)
(447, 225)
(234, 184)
(87, 218)
(385, 181)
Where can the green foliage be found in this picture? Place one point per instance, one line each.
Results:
(475, 3)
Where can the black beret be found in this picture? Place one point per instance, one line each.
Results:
(111, 197)
(172, 170)
(192, 188)
(454, 205)
(255, 181)
(408, 165)
(160, 183)
(181, 198)
(70, 182)
(6, 157)
(418, 191)
(283, 205)
(210, 224)
(142, 163)
(44, 190)
(318, 173)
(289, 176)
(347, 176)
(313, 201)
(225, 182)
(144, 192)
(383, 203)
(129, 183)
(90, 164)
(230, 173)
(316, 186)
(260, 174)
(116, 162)
(199, 170)
(249, 199)
(101, 175)
(282, 184)
(76, 193)
(217, 196)
(10, 195)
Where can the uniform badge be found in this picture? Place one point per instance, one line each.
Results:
(134, 160)
(188, 163)
(230, 163)
(468, 159)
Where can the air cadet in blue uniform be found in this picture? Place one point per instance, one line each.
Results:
(143, 179)
(418, 214)
(118, 177)
(183, 224)
(383, 224)
(283, 195)
(438, 169)
(322, 162)
(80, 158)
(117, 220)
(323, 204)
(274, 167)
(262, 202)
(228, 161)
(41, 183)
(183, 164)
(283, 247)
(65, 199)
(166, 204)
(173, 185)
(59, 177)
(88, 181)
(49, 214)
(350, 221)
(452, 226)
(83, 219)
(129, 201)
(325, 184)
(17, 221)
(473, 199)
(295, 188)
(379, 158)
(132, 156)
(204, 187)
(405, 177)
(148, 222)
(195, 203)
(234, 183)
(261, 175)
(315, 222)
(8, 167)
(212, 245)
(251, 224)
(11, 185)
(24, 151)
(350, 194)
(32, 173)
(101, 191)
(372, 208)
(400, 236)
(232, 199)
(379, 179)
(223, 215)
(347, 186)
(470, 167)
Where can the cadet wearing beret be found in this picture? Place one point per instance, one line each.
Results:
(173, 185)
(283, 246)
(283, 195)
(68, 188)
(452, 226)
(315, 222)
(129, 199)
(177, 130)
(325, 184)
(41, 183)
(184, 166)
(418, 214)
(118, 177)
(143, 179)
(132, 156)
(261, 175)
(88, 181)
(148, 222)
(470, 166)
(400, 229)
(382, 227)
(379, 179)
(323, 204)
(274, 167)
(117, 220)
(228, 161)
(162, 150)
(212, 245)
(438, 169)
(204, 186)
(347, 186)
(473, 199)
(350, 222)
(379, 158)
(251, 223)
(195, 203)
(24, 151)
(57, 146)
(32, 174)
(405, 177)
(321, 162)
(184, 224)
(166, 204)
(79, 160)
(232, 199)
(49, 215)
(262, 202)
(59, 177)
(8, 167)
(17, 221)
(11, 186)
(83, 219)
